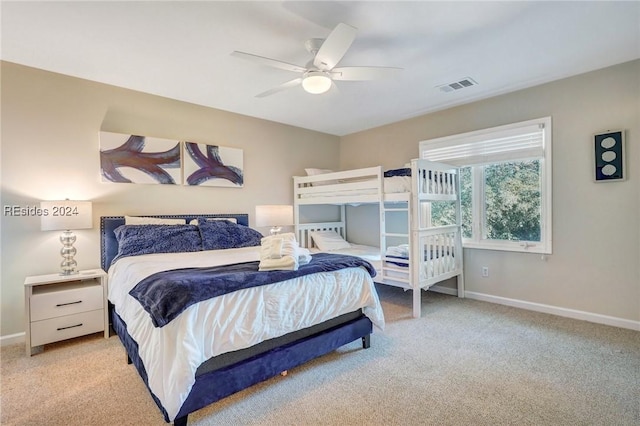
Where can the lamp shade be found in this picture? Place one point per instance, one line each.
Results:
(274, 215)
(66, 214)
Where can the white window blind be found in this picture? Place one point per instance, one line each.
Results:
(512, 142)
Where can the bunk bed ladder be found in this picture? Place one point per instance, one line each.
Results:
(458, 242)
(416, 217)
(395, 272)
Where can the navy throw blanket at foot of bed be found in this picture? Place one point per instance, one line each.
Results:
(164, 295)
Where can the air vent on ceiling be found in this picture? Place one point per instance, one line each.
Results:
(457, 85)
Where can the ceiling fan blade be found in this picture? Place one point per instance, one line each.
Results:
(334, 47)
(363, 73)
(284, 86)
(269, 62)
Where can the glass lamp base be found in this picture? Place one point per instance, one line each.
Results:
(68, 265)
(275, 230)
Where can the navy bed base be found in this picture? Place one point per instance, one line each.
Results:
(217, 384)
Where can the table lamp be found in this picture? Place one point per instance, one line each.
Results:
(275, 216)
(66, 216)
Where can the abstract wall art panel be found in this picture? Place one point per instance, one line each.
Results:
(139, 159)
(608, 149)
(212, 165)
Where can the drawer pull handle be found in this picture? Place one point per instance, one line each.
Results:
(71, 326)
(70, 303)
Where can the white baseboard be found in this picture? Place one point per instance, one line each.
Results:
(555, 310)
(442, 289)
(12, 339)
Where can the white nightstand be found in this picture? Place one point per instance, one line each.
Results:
(60, 307)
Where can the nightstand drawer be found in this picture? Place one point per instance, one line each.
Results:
(66, 327)
(66, 300)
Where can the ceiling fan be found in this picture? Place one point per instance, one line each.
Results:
(320, 72)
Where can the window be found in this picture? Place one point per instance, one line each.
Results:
(505, 185)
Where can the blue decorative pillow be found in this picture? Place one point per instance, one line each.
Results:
(134, 240)
(222, 234)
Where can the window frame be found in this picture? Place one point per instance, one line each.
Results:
(478, 240)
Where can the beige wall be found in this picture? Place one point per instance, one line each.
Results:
(50, 142)
(595, 265)
(50, 127)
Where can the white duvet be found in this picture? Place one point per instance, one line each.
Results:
(172, 354)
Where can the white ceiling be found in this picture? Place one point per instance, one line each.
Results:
(181, 50)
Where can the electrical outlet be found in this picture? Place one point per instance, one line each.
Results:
(485, 271)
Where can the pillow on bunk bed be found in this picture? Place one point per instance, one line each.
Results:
(134, 240)
(224, 234)
(315, 172)
(329, 240)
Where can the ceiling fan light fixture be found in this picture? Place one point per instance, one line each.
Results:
(318, 74)
(316, 82)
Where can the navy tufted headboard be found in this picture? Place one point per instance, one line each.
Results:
(109, 244)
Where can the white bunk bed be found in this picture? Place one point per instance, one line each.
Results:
(438, 250)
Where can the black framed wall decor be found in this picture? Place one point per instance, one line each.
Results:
(608, 149)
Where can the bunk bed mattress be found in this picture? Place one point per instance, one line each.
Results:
(394, 181)
(369, 253)
(172, 354)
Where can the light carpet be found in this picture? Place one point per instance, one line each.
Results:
(465, 362)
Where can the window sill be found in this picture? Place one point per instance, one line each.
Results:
(507, 246)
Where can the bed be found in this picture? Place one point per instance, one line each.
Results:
(415, 258)
(190, 357)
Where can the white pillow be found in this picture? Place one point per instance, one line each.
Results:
(315, 172)
(230, 219)
(329, 240)
(138, 220)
